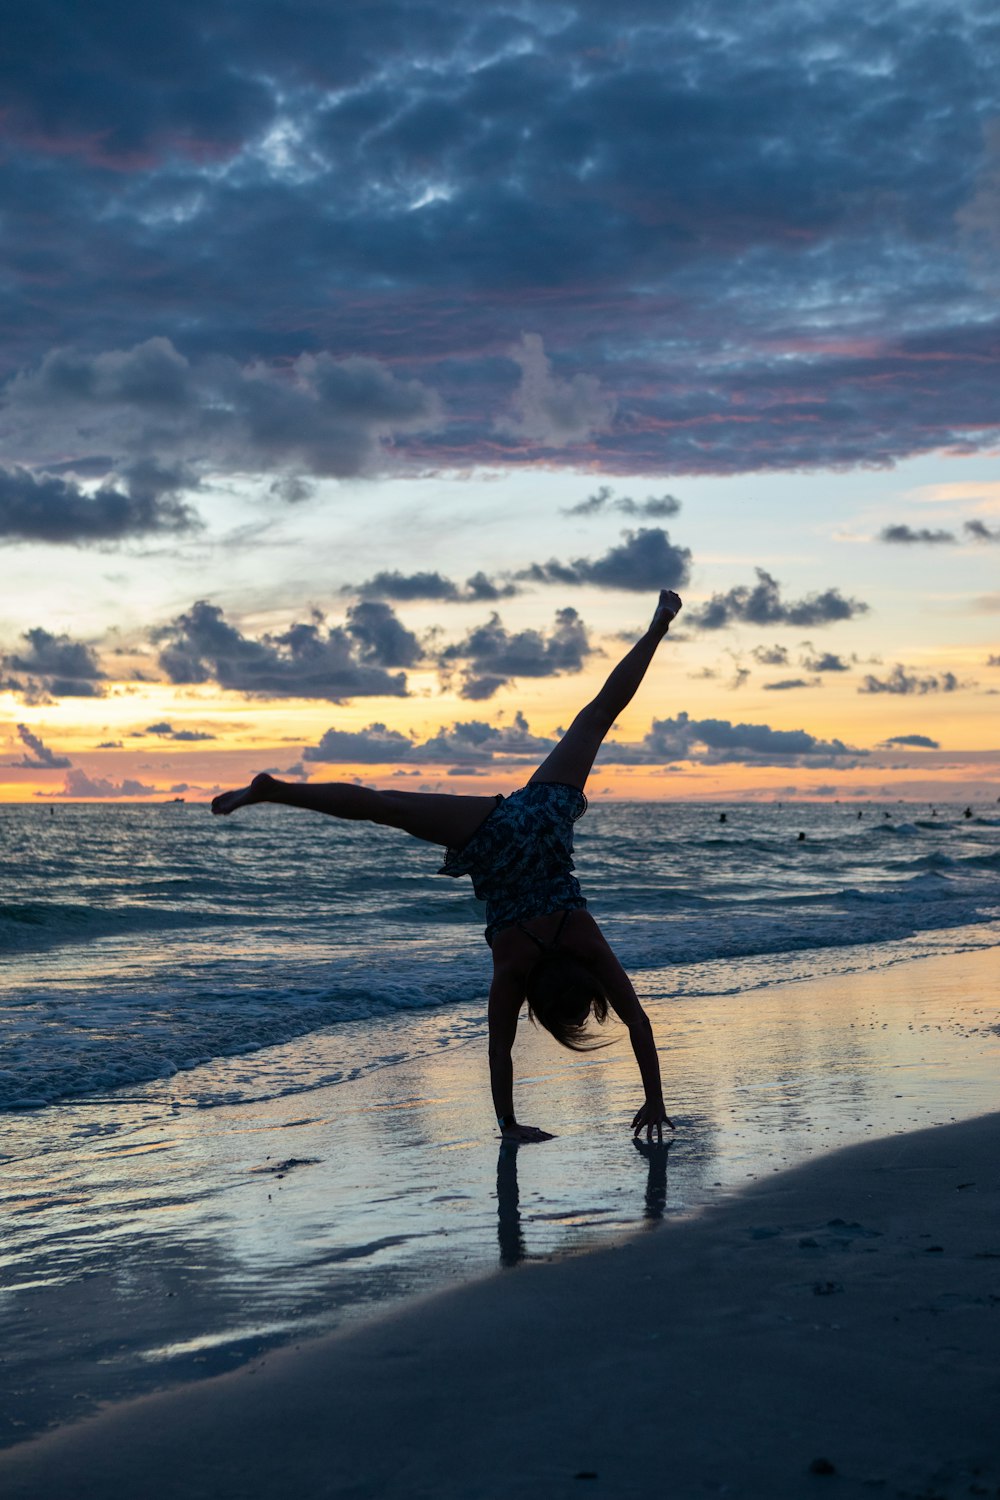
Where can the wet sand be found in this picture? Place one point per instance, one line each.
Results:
(833, 1330)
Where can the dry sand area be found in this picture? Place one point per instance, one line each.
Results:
(833, 1332)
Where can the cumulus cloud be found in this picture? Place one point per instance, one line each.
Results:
(550, 410)
(718, 741)
(980, 532)
(908, 535)
(79, 784)
(903, 683)
(472, 743)
(309, 660)
(165, 731)
(52, 666)
(605, 499)
(822, 661)
(770, 656)
(476, 742)
(381, 639)
(916, 741)
(405, 587)
(763, 605)
(46, 508)
(644, 562)
(375, 745)
(785, 683)
(489, 655)
(38, 757)
(292, 488)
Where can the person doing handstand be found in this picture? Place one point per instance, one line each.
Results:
(547, 948)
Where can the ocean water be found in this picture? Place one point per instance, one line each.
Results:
(139, 943)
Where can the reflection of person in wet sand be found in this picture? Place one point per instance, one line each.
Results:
(510, 1232)
(547, 948)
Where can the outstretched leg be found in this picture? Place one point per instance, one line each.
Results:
(573, 757)
(438, 817)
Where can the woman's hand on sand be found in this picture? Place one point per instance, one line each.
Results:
(525, 1133)
(652, 1116)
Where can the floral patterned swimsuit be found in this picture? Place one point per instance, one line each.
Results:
(521, 857)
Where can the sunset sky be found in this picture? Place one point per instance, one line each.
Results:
(367, 368)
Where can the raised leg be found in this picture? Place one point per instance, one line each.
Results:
(438, 817)
(572, 759)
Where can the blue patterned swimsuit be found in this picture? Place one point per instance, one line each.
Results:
(521, 857)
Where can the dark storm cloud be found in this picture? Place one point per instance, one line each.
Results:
(763, 605)
(605, 499)
(553, 220)
(39, 757)
(309, 660)
(46, 508)
(490, 655)
(916, 741)
(908, 535)
(720, 742)
(405, 587)
(981, 532)
(645, 561)
(163, 415)
(903, 683)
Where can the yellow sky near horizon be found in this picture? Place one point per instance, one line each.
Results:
(931, 613)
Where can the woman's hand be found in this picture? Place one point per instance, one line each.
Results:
(652, 1116)
(525, 1133)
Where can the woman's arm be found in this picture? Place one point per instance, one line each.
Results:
(625, 1003)
(506, 999)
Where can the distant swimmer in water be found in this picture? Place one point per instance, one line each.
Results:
(547, 948)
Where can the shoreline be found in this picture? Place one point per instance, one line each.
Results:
(839, 1318)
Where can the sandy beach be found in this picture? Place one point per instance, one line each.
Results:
(833, 1330)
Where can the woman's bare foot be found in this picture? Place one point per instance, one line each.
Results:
(667, 608)
(259, 790)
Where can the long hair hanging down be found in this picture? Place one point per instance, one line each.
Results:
(562, 994)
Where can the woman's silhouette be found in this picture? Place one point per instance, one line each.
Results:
(547, 948)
